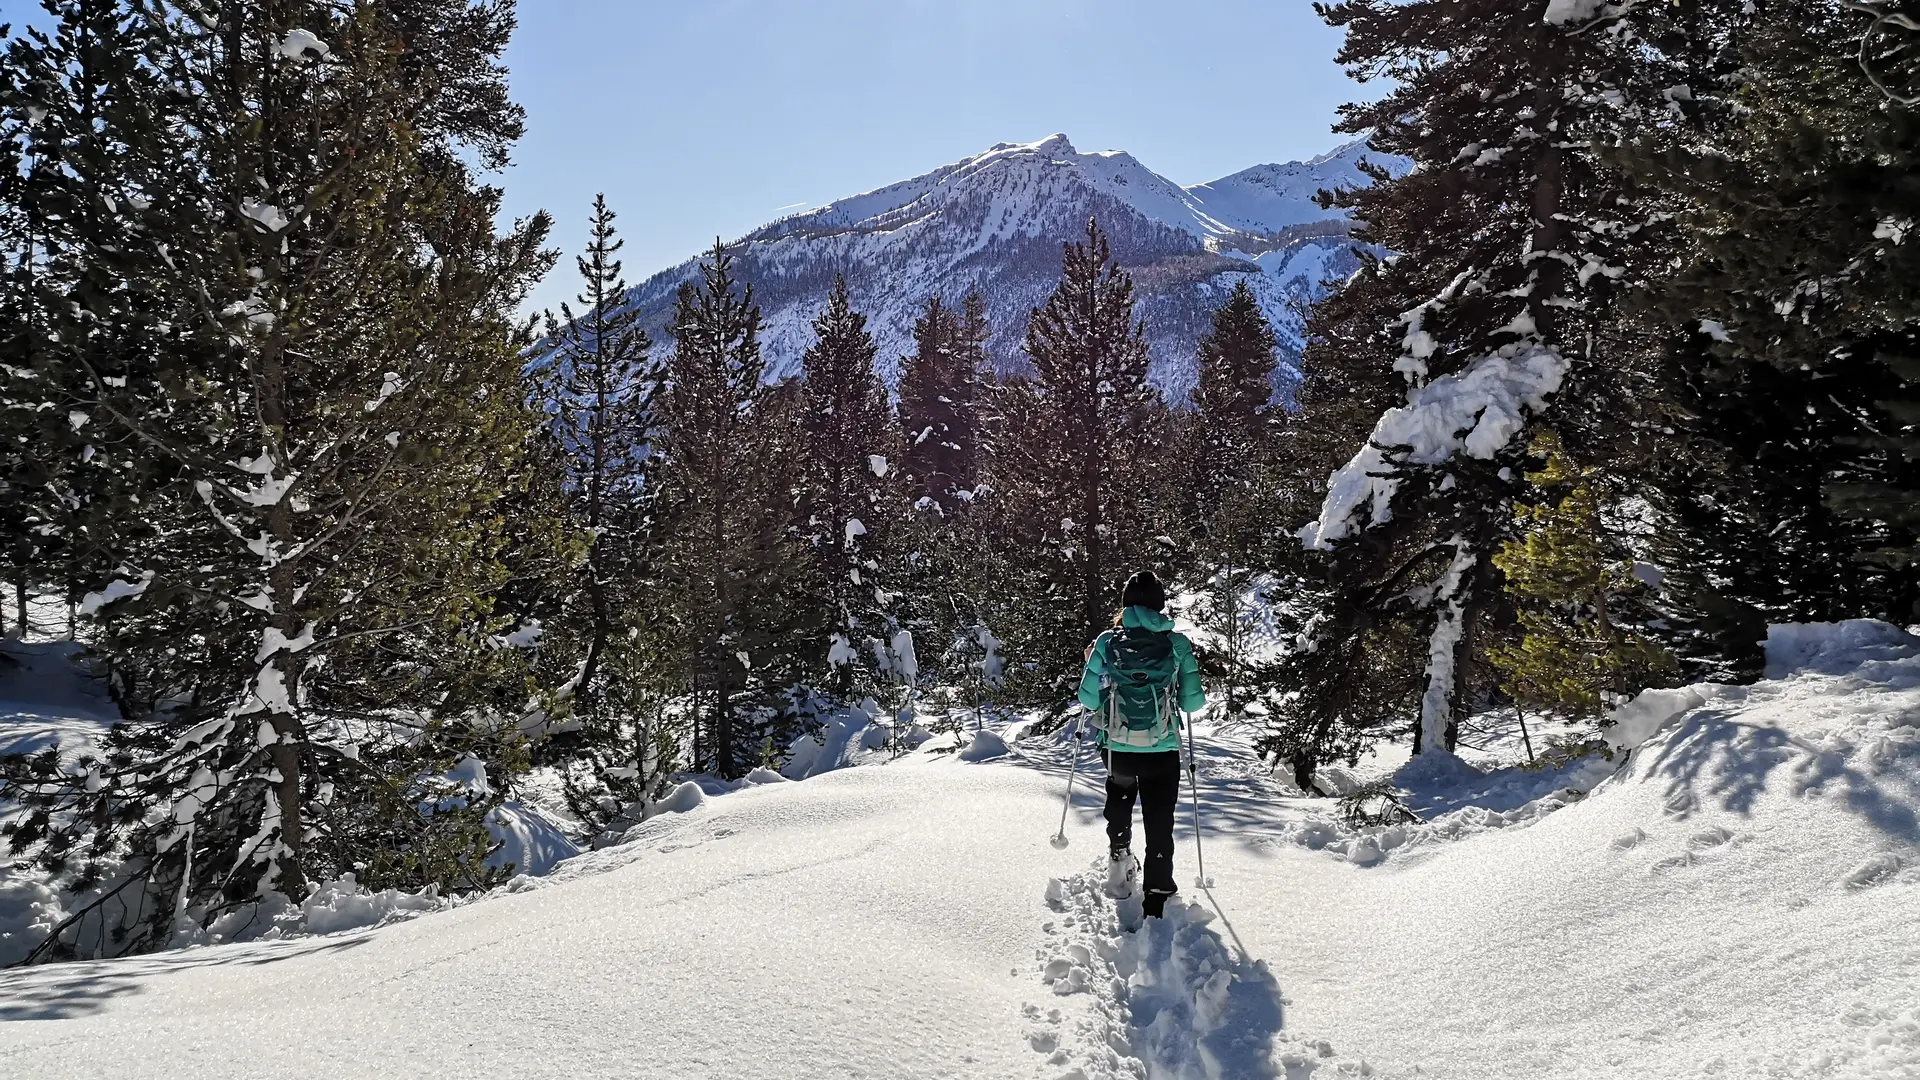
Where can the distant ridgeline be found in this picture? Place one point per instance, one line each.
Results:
(995, 221)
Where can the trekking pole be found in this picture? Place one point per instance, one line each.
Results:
(1193, 787)
(1059, 839)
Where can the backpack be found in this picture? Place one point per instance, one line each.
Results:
(1142, 673)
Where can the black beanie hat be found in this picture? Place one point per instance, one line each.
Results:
(1144, 590)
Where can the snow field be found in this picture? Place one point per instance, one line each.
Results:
(867, 922)
(1734, 898)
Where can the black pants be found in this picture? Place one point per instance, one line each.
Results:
(1154, 780)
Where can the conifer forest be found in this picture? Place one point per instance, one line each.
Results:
(1607, 401)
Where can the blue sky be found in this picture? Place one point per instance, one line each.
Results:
(709, 117)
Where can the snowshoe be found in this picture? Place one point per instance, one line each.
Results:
(1123, 871)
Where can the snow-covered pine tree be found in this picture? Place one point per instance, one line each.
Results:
(599, 384)
(1486, 304)
(328, 410)
(848, 500)
(728, 557)
(925, 412)
(1080, 473)
(943, 551)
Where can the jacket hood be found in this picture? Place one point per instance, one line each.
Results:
(1145, 618)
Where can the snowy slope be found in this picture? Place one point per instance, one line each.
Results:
(1267, 198)
(1736, 899)
(45, 699)
(996, 221)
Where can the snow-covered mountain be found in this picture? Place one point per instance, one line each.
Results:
(996, 221)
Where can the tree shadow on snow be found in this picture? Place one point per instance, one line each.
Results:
(1718, 758)
(67, 991)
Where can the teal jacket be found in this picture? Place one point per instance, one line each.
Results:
(1192, 697)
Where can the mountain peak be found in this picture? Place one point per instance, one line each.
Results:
(995, 220)
(1056, 143)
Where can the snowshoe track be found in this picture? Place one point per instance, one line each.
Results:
(1159, 999)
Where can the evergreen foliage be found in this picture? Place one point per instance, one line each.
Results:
(851, 521)
(301, 340)
(1079, 466)
(1573, 586)
(727, 555)
(1789, 331)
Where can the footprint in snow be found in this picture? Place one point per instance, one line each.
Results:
(1874, 871)
(1710, 838)
(1629, 840)
(1164, 997)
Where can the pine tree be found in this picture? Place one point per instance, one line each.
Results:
(1497, 279)
(944, 551)
(600, 386)
(1079, 468)
(84, 138)
(1574, 586)
(939, 400)
(1788, 489)
(851, 519)
(728, 555)
(1231, 494)
(321, 376)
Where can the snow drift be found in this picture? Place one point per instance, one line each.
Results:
(1735, 898)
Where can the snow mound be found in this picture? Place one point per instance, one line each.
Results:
(839, 744)
(1737, 899)
(343, 905)
(1638, 720)
(681, 799)
(1169, 998)
(530, 840)
(29, 910)
(985, 745)
(1835, 648)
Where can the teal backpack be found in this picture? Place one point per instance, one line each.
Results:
(1142, 676)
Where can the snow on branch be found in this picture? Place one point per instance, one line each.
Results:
(1476, 411)
(1562, 12)
(116, 590)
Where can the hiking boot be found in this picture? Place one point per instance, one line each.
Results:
(1154, 905)
(1123, 870)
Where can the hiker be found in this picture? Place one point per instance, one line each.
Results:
(1139, 677)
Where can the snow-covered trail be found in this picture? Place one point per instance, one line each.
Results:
(1736, 899)
(874, 922)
